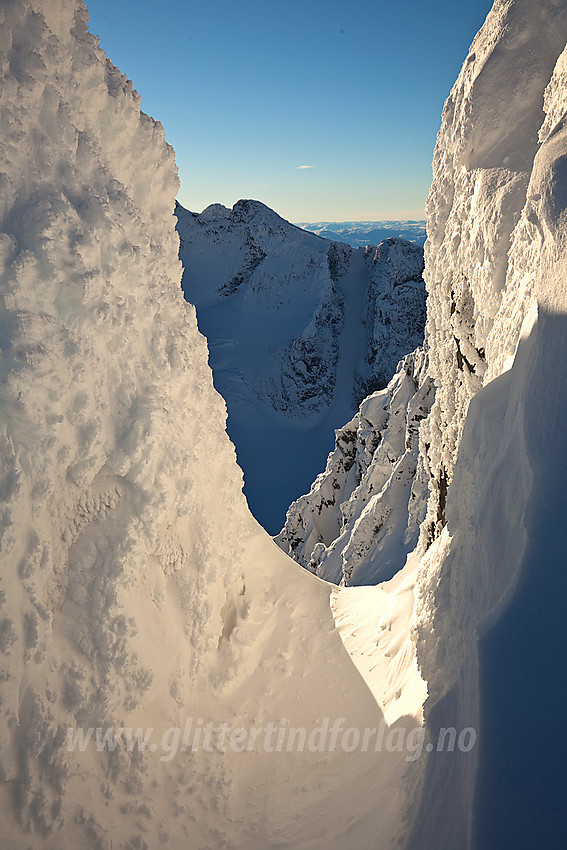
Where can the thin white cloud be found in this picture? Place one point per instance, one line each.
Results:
(306, 166)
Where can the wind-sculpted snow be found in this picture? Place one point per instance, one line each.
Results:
(363, 514)
(107, 521)
(282, 311)
(481, 172)
(136, 591)
(496, 269)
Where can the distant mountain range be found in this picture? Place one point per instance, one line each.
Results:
(361, 233)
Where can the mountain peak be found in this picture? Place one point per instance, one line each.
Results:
(247, 210)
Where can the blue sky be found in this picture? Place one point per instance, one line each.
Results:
(250, 91)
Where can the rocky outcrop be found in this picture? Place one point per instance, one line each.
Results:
(363, 514)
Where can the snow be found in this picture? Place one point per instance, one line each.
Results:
(493, 576)
(300, 329)
(136, 588)
(375, 624)
(137, 591)
(362, 515)
(481, 172)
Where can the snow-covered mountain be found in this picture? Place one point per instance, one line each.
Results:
(358, 234)
(137, 592)
(299, 329)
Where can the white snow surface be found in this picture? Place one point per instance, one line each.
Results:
(496, 270)
(505, 272)
(136, 589)
(479, 206)
(299, 329)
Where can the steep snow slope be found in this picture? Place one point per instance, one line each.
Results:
(136, 590)
(299, 330)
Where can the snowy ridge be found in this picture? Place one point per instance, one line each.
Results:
(362, 515)
(282, 311)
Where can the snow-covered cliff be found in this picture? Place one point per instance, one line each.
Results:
(493, 583)
(300, 329)
(363, 514)
(478, 207)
